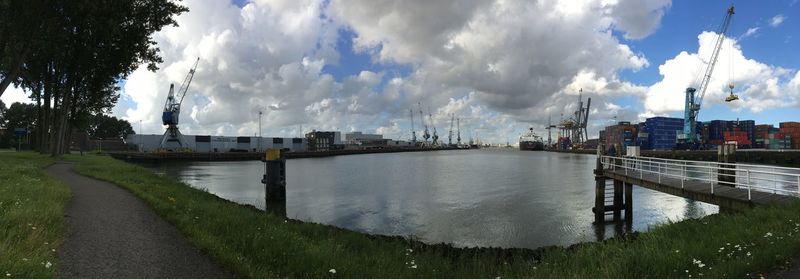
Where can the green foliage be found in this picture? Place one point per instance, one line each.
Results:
(109, 127)
(18, 115)
(257, 245)
(32, 207)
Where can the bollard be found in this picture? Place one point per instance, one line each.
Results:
(275, 182)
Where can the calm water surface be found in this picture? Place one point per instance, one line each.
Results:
(505, 198)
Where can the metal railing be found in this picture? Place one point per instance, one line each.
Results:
(762, 178)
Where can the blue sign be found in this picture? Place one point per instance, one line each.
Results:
(20, 131)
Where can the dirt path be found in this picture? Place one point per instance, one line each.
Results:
(112, 234)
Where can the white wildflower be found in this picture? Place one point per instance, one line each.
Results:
(48, 265)
(332, 271)
(414, 266)
(768, 234)
(748, 254)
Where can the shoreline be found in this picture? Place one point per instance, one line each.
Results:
(252, 156)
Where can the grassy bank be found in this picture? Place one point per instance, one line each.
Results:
(255, 245)
(31, 216)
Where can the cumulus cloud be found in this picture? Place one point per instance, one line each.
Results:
(758, 85)
(501, 66)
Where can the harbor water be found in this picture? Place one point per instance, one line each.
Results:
(497, 198)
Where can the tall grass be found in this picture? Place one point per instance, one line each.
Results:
(32, 207)
(253, 244)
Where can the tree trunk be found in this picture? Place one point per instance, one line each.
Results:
(63, 120)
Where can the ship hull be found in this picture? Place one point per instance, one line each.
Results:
(531, 145)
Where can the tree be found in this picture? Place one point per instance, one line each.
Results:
(18, 115)
(109, 127)
(71, 55)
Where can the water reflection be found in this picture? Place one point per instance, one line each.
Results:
(469, 198)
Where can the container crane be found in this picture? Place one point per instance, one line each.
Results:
(450, 134)
(426, 135)
(458, 131)
(173, 139)
(694, 97)
(435, 135)
(413, 132)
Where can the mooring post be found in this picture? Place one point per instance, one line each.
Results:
(600, 188)
(726, 155)
(274, 182)
(629, 203)
(617, 199)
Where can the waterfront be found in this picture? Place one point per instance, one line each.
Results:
(504, 198)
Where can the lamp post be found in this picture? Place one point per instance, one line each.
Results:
(140, 137)
(259, 130)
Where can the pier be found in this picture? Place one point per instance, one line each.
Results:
(725, 183)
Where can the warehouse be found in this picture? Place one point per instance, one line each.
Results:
(206, 143)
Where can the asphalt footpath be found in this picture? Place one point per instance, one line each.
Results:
(112, 234)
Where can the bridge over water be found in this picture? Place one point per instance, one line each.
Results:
(731, 186)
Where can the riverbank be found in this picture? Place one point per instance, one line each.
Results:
(32, 223)
(253, 244)
(142, 157)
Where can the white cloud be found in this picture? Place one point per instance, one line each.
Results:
(501, 65)
(750, 32)
(757, 84)
(776, 20)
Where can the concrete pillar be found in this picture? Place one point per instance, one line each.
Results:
(275, 182)
(726, 155)
(617, 199)
(629, 203)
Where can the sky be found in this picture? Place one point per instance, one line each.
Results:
(501, 66)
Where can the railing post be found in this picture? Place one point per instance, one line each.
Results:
(748, 185)
(711, 178)
(683, 174)
(798, 184)
(659, 173)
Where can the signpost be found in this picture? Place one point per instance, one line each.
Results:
(20, 132)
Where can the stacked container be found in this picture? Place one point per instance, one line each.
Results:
(791, 130)
(623, 135)
(661, 132)
(738, 136)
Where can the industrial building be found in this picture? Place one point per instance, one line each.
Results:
(206, 143)
(324, 140)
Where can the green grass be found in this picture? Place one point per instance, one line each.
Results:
(253, 244)
(32, 207)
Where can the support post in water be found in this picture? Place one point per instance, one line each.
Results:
(275, 182)
(629, 205)
(618, 204)
(726, 156)
(600, 188)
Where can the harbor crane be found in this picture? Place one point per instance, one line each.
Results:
(694, 96)
(173, 139)
(450, 134)
(435, 135)
(413, 132)
(458, 130)
(549, 128)
(426, 135)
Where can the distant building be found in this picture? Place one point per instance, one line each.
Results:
(324, 140)
(207, 143)
(359, 136)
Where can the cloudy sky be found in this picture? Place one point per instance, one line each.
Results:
(501, 65)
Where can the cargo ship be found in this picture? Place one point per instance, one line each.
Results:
(531, 141)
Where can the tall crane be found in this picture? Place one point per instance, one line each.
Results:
(458, 130)
(694, 97)
(450, 134)
(172, 139)
(435, 135)
(426, 135)
(549, 128)
(413, 132)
